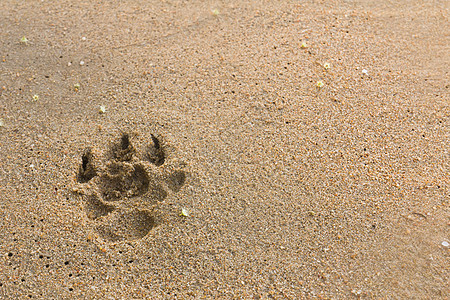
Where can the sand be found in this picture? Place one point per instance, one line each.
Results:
(240, 176)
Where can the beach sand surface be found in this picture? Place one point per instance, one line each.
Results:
(224, 149)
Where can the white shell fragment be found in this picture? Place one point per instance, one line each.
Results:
(184, 212)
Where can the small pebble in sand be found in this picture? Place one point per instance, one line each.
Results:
(2, 123)
(303, 45)
(365, 72)
(76, 87)
(215, 12)
(83, 38)
(445, 244)
(35, 97)
(319, 84)
(326, 66)
(81, 63)
(24, 40)
(102, 109)
(184, 212)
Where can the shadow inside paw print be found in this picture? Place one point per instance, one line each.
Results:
(123, 180)
(126, 225)
(120, 182)
(155, 153)
(124, 150)
(87, 170)
(95, 208)
(175, 180)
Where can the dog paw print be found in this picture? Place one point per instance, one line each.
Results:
(122, 190)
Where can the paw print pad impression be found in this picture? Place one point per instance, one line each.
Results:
(121, 191)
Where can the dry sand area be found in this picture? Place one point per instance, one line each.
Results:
(224, 149)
